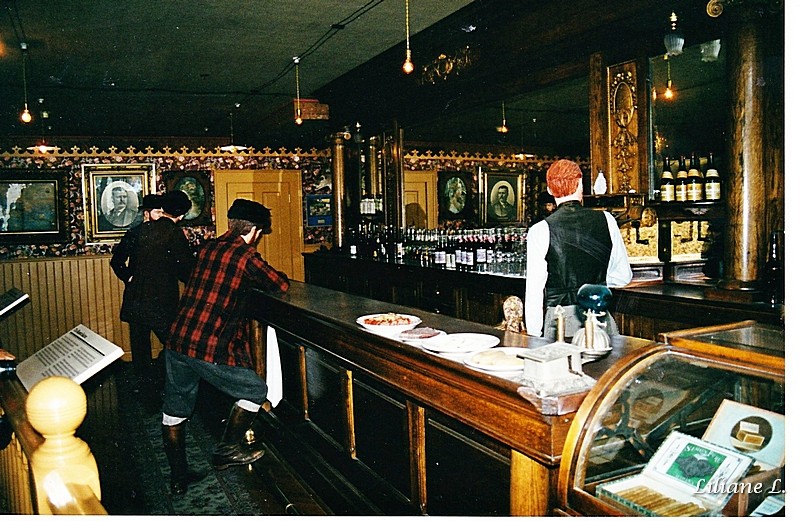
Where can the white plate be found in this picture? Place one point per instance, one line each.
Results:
(460, 343)
(479, 360)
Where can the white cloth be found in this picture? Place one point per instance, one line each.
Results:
(274, 370)
(619, 271)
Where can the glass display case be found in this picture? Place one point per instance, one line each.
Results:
(693, 425)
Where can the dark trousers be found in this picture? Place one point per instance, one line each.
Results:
(182, 381)
(142, 349)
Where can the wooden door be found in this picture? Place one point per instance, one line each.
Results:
(282, 192)
(419, 199)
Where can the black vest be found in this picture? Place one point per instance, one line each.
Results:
(580, 247)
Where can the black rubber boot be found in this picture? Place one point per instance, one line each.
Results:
(174, 438)
(230, 450)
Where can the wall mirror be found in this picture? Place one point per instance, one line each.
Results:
(694, 118)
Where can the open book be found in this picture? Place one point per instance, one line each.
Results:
(77, 354)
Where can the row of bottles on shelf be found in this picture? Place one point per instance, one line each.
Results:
(371, 205)
(486, 250)
(690, 184)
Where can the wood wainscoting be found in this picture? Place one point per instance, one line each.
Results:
(63, 293)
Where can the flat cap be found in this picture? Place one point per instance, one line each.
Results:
(151, 202)
(250, 211)
(176, 203)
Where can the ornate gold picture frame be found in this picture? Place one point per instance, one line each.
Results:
(111, 197)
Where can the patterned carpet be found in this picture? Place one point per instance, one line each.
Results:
(147, 493)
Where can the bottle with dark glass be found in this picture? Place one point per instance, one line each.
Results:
(450, 251)
(469, 259)
(667, 183)
(440, 255)
(774, 270)
(480, 251)
(681, 185)
(713, 188)
(694, 180)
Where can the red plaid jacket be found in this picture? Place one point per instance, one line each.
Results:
(212, 322)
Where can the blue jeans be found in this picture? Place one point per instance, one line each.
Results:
(183, 375)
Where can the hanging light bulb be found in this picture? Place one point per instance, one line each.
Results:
(25, 116)
(408, 66)
(298, 115)
(669, 93)
(232, 147)
(503, 129)
(673, 40)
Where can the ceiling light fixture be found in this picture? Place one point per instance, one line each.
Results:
(668, 93)
(42, 147)
(25, 116)
(232, 147)
(503, 129)
(673, 40)
(408, 67)
(298, 115)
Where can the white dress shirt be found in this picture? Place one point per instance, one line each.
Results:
(618, 273)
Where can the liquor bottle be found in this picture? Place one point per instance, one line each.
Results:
(667, 183)
(774, 269)
(440, 255)
(713, 183)
(480, 251)
(681, 187)
(694, 180)
(450, 251)
(469, 252)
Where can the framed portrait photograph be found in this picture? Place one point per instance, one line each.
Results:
(33, 206)
(318, 210)
(197, 185)
(112, 195)
(454, 191)
(503, 197)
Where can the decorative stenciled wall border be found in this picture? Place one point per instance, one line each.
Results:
(315, 165)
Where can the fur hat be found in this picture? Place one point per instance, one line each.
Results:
(176, 203)
(151, 202)
(250, 211)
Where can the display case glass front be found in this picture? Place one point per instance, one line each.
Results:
(721, 389)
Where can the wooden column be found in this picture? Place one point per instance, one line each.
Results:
(337, 189)
(745, 234)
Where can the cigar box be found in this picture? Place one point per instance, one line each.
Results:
(759, 433)
(686, 476)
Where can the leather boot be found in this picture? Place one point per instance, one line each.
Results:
(230, 450)
(174, 438)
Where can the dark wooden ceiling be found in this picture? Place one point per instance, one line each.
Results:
(127, 71)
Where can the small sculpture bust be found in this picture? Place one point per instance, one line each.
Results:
(513, 313)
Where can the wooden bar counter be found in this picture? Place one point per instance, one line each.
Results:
(642, 309)
(425, 434)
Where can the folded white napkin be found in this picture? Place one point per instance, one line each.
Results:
(274, 372)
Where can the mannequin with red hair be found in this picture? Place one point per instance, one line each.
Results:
(571, 247)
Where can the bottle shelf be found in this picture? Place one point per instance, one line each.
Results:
(692, 211)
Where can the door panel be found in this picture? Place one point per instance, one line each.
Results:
(281, 192)
(419, 198)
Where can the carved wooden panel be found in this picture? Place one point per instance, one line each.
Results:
(623, 128)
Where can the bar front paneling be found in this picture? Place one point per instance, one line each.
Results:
(430, 434)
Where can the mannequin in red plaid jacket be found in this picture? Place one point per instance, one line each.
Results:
(209, 340)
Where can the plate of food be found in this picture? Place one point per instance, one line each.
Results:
(459, 342)
(498, 359)
(418, 334)
(388, 324)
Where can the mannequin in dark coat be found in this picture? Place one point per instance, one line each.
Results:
(159, 256)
